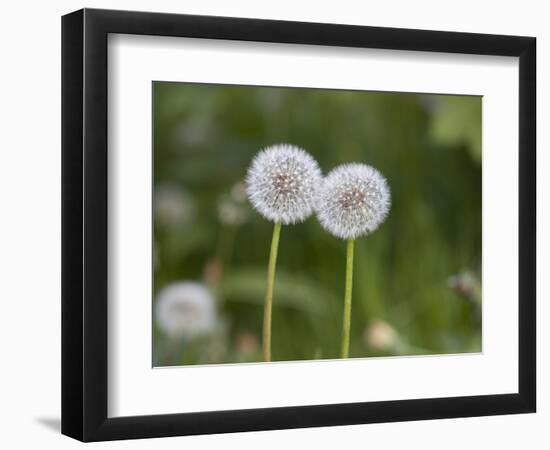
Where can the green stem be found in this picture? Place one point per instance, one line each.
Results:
(266, 341)
(347, 300)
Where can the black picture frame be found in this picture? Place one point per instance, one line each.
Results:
(84, 224)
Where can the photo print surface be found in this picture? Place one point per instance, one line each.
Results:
(314, 224)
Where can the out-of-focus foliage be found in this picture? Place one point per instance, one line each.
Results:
(457, 120)
(406, 299)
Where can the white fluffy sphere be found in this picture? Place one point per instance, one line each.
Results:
(282, 183)
(353, 201)
(185, 310)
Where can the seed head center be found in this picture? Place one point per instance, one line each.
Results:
(352, 198)
(284, 184)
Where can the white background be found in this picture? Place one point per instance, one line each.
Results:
(135, 389)
(30, 222)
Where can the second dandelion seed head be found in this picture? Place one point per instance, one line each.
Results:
(185, 309)
(353, 201)
(282, 183)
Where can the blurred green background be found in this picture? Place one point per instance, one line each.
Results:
(417, 279)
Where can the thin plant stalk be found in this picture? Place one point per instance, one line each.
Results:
(268, 306)
(347, 300)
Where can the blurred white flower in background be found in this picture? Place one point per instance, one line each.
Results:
(238, 192)
(380, 335)
(467, 284)
(353, 201)
(231, 213)
(172, 205)
(282, 183)
(194, 132)
(232, 209)
(185, 310)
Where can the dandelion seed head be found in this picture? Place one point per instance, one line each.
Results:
(380, 335)
(282, 183)
(185, 309)
(353, 201)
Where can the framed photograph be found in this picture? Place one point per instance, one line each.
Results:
(272, 224)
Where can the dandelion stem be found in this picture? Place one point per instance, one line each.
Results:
(347, 300)
(266, 342)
